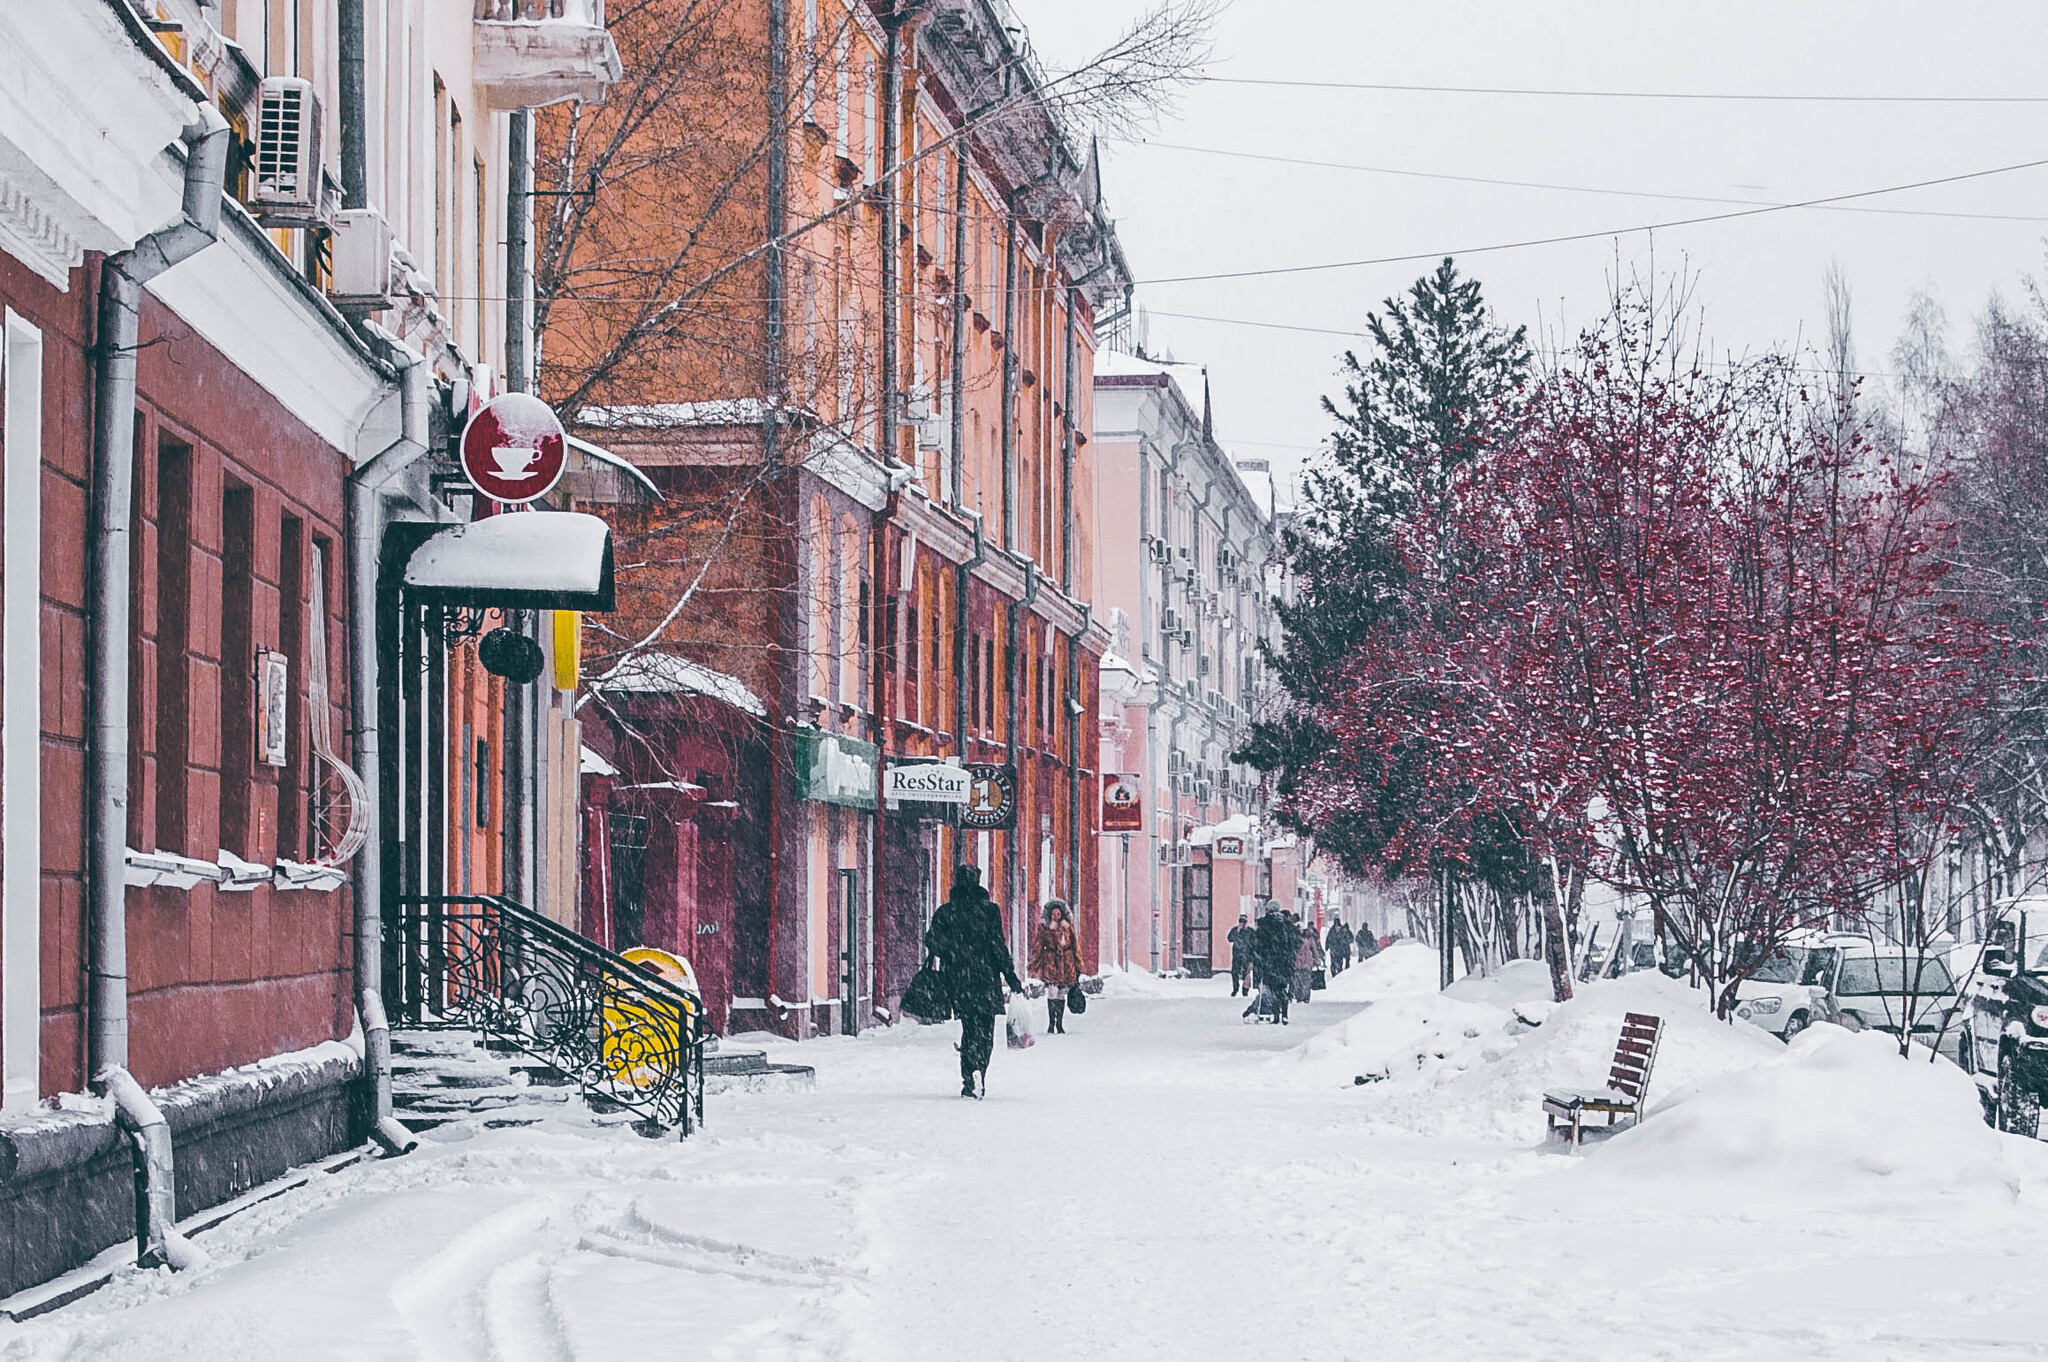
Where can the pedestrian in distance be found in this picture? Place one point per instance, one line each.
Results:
(1056, 959)
(1242, 938)
(966, 938)
(1307, 954)
(1365, 943)
(1339, 942)
(1277, 943)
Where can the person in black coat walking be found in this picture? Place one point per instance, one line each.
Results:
(1339, 943)
(1275, 945)
(966, 938)
(1241, 948)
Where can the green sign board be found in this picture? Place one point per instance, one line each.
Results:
(832, 768)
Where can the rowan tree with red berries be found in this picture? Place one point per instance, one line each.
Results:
(1688, 628)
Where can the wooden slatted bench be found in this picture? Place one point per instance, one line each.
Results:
(1627, 1082)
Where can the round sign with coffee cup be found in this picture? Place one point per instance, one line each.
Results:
(513, 449)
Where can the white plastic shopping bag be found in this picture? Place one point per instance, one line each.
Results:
(1021, 1027)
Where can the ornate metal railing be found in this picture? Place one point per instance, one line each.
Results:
(483, 963)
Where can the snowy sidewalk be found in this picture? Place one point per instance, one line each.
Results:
(1163, 1183)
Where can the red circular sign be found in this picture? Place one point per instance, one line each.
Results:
(513, 449)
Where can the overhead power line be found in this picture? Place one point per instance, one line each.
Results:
(1527, 92)
(1563, 238)
(1562, 188)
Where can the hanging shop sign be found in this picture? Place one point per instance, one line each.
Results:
(514, 449)
(925, 782)
(1227, 849)
(1122, 807)
(834, 769)
(991, 798)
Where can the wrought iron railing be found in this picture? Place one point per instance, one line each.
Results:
(483, 963)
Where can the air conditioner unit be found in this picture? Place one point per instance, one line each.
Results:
(286, 188)
(1204, 791)
(1192, 579)
(1202, 667)
(1187, 639)
(1224, 558)
(1166, 853)
(1183, 853)
(361, 247)
(1185, 553)
(1159, 550)
(1169, 620)
(1175, 760)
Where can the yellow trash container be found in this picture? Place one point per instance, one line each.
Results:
(643, 1043)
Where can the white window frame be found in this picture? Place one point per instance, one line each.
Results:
(21, 707)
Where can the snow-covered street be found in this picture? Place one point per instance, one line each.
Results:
(1164, 1182)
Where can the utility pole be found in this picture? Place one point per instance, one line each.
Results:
(1446, 916)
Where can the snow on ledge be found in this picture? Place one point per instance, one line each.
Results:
(667, 674)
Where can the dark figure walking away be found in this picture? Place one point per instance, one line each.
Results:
(966, 938)
(1365, 943)
(1339, 942)
(1056, 959)
(1241, 949)
(1274, 948)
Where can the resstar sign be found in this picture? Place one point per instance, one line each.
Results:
(928, 782)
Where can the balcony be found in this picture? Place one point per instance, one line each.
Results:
(535, 52)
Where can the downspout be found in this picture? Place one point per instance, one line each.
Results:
(365, 541)
(892, 249)
(1009, 393)
(1067, 448)
(963, 586)
(958, 400)
(1013, 873)
(122, 278)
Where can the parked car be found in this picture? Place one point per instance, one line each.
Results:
(1870, 992)
(2005, 1040)
(1792, 990)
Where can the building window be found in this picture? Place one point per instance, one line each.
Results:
(237, 668)
(173, 639)
(870, 149)
(483, 783)
(292, 611)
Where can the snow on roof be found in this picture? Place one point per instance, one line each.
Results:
(733, 411)
(594, 765)
(1237, 825)
(667, 674)
(1117, 364)
(561, 551)
(1112, 662)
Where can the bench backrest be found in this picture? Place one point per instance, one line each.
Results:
(1634, 1053)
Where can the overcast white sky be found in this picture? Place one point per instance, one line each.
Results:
(1759, 279)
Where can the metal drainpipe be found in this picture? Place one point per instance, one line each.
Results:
(122, 278)
(958, 399)
(365, 539)
(1009, 391)
(1013, 873)
(963, 587)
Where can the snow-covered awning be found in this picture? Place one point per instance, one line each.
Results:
(534, 560)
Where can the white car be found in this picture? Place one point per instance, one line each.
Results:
(1792, 990)
(1870, 993)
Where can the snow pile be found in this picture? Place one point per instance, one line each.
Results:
(1407, 1041)
(1136, 983)
(1838, 1118)
(1446, 1064)
(1521, 986)
(1574, 1048)
(1406, 967)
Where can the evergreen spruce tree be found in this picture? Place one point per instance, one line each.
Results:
(1432, 387)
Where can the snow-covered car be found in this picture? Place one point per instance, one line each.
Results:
(1792, 990)
(2005, 1038)
(1870, 993)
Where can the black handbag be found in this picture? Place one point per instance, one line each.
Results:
(1077, 1001)
(929, 997)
